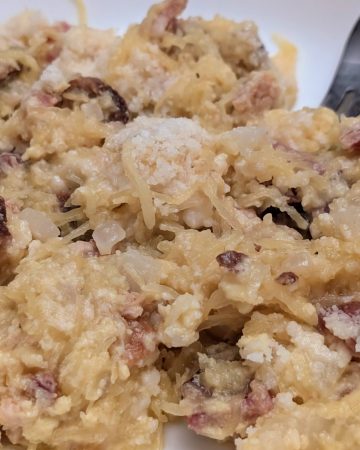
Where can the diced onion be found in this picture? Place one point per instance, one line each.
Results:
(41, 226)
(107, 235)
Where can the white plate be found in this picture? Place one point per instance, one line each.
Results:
(318, 27)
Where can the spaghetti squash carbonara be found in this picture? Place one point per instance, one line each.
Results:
(174, 242)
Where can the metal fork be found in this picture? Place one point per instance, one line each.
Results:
(344, 93)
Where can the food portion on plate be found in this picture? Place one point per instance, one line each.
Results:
(215, 71)
(173, 243)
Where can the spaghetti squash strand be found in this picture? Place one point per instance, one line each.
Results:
(143, 191)
(210, 190)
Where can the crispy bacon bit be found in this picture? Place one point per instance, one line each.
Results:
(43, 386)
(350, 138)
(94, 87)
(135, 347)
(231, 260)
(258, 92)
(163, 17)
(4, 231)
(257, 403)
(9, 161)
(287, 278)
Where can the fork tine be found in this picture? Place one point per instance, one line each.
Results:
(333, 98)
(354, 110)
(347, 76)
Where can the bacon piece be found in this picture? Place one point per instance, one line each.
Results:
(133, 309)
(350, 138)
(9, 161)
(345, 323)
(162, 17)
(236, 409)
(135, 348)
(257, 403)
(231, 260)
(350, 308)
(4, 231)
(173, 25)
(53, 53)
(258, 92)
(53, 44)
(46, 382)
(287, 278)
(84, 248)
(94, 87)
(43, 387)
